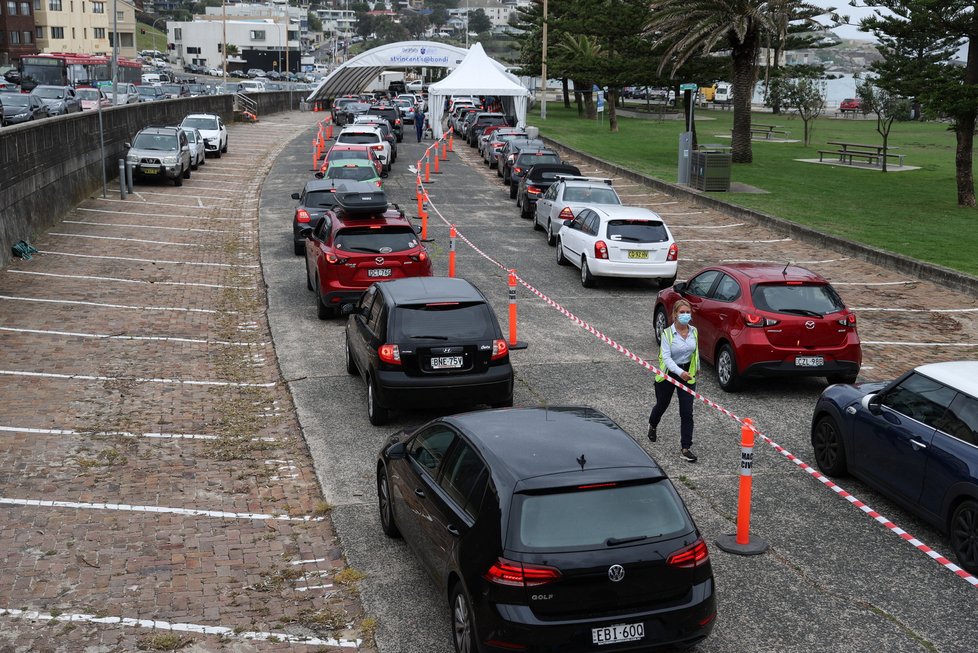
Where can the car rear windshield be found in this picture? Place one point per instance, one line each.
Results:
(375, 241)
(320, 199)
(336, 155)
(351, 173)
(797, 298)
(201, 123)
(536, 159)
(49, 93)
(637, 231)
(591, 195)
(444, 320)
(598, 517)
(359, 138)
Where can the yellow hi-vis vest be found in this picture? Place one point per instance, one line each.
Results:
(694, 362)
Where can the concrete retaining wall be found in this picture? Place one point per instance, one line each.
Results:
(50, 166)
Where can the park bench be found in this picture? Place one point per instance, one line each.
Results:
(767, 131)
(848, 152)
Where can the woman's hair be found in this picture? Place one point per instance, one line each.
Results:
(679, 304)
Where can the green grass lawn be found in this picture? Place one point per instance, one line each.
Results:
(153, 39)
(912, 213)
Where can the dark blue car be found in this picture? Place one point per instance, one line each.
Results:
(915, 440)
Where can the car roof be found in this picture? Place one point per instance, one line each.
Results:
(760, 272)
(615, 211)
(525, 443)
(960, 375)
(201, 115)
(551, 167)
(340, 186)
(425, 290)
(347, 163)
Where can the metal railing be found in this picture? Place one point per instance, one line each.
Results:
(244, 103)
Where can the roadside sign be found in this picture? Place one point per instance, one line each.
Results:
(688, 87)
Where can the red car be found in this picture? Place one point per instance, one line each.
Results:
(851, 104)
(759, 319)
(360, 241)
(351, 151)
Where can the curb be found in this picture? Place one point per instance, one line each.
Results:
(938, 274)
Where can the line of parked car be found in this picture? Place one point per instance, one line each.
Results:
(172, 152)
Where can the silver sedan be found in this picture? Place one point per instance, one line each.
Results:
(564, 199)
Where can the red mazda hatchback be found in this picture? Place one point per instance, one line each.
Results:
(767, 320)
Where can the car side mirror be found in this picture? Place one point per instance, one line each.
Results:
(317, 223)
(680, 287)
(127, 145)
(347, 309)
(384, 175)
(305, 232)
(319, 175)
(872, 403)
(295, 196)
(397, 451)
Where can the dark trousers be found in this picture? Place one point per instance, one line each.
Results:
(419, 128)
(663, 397)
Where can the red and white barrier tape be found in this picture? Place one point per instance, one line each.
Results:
(902, 534)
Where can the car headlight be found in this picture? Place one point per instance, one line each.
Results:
(22, 115)
(170, 160)
(132, 158)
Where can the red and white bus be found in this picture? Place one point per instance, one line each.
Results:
(67, 69)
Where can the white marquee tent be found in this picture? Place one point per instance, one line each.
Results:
(477, 75)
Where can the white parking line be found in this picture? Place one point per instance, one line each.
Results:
(874, 283)
(208, 173)
(156, 624)
(919, 344)
(148, 260)
(148, 226)
(206, 197)
(179, 206)
(105, 336)
(153, 283)
(705, 226)
(89, 377)
(128, 434)
(103, 305)
(915, 310)
(128, 240)
(168, 215)
(684, 213)
(195, 512)
(312, 587)
(714, 240)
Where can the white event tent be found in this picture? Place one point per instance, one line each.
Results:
(477, 75)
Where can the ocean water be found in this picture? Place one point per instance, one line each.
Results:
(836, 90)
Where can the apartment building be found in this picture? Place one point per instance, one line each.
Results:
(84, 26)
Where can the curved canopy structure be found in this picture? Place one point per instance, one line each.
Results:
(356, 74)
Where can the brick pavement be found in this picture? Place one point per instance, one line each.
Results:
(136, 368)
(920, 322)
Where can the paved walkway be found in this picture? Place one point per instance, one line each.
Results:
(156, 488)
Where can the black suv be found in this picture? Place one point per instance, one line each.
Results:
(548, 529)
(393, 116)
(535, 183)
(427, 342)
(509, 152)
(526, 159)
(473, 129)
(160, 152)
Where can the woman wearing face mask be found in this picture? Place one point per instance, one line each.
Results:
(679, 355)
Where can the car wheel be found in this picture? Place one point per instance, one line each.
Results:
(376, 412)
(668, 282)
(308, 277)
(387, 523)
(660, 323)
(186, 173)
(499, 169)
(504, 404)
(195, 165)
(519, 200)
(299, 248)
(536, 223)
(587, 279)
(964, 535)
(225, 148)
(561, 259)
(178, 180)
(351, 364)
(551, 236)
(830, 451)
(512, 189)
(323, 311)
(217, 154)
(463, 621)
(727, 369)
(842, 378)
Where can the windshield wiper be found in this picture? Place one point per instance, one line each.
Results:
(631, 239)
(800, 311)
(613, 541)
(428, 337)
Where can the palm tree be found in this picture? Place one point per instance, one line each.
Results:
(685, 27)
(584, 50)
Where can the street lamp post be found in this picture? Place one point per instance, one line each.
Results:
(156, 33)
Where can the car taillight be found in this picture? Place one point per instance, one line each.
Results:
(389, 354)
(517, 574)
(694, 555)
(333, 258)
(566, 214)
(377, 147)
(673, 254)
(754, 320)
(849, 320)
(535, 190)
(420, 256)
(511, 158)
(397, 122)
(600, 249)
(380, 184)
(499, 349)
(301, 215)
(517, 170)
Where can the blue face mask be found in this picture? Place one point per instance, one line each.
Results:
(685, 318)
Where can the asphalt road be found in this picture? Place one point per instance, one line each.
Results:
(833, 579)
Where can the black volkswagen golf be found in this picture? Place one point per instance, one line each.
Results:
(548, 529)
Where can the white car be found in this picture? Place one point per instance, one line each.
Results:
(198, 155)
(212, 128)
(367, 135)
(126, 93)
(565, 197)
(618, 241)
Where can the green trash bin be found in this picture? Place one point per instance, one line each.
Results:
(710, 170)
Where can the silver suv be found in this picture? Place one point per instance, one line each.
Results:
(160, 152)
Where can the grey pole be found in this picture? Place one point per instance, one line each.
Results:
(101, 142)
(129, 176)
(122, 179)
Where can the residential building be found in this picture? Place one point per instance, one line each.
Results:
(261, 42)
(84, 26)
(16, 30)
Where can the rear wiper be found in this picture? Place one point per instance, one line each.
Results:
(800, 311)
(428, 337)
(631, 239)
(612, 541)
(364, 249)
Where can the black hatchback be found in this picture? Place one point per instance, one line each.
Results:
(427, 342)
(548, 529)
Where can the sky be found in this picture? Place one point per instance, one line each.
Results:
(855, 15)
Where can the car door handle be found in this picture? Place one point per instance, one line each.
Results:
(917, 445)
(419, 492)
(451, 529)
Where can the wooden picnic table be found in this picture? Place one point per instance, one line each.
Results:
(861, 146)
(873, 153)
(767, 131)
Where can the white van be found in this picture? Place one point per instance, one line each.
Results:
(151, 78)
(723, 93)
(252, 86)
